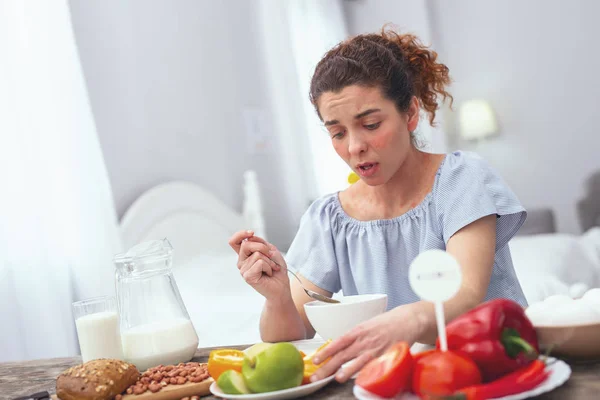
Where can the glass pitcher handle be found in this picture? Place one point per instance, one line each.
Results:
(119, 296)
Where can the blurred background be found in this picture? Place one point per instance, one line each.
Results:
(132, 120)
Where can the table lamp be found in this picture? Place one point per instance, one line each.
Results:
(477, 120)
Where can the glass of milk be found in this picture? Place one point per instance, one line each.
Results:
(97, 323)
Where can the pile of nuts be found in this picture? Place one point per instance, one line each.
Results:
(154, 379)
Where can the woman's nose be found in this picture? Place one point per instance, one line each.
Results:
(356, 145)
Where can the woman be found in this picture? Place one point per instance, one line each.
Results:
(368, 91)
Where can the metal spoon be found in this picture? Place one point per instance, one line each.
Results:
(310, 293)
(314, 295)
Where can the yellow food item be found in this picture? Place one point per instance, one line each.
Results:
(310, 367)
(353, 178)
(222, 360)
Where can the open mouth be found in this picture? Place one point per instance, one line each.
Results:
(367, 169)
(366, 166)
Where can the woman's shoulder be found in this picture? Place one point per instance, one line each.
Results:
(469, 188)
(463, 168)
(322, 208)
(464, 161)
(466, 176)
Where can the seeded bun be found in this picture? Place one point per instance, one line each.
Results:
(100, 379)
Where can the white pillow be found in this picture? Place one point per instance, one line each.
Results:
(212, 274)
(590, 243)
(224, 309)
(549, 264)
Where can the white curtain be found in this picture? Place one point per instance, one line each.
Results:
(295, 35)
(58, 226)
(316, 26)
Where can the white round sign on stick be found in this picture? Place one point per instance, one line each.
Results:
(435, 276)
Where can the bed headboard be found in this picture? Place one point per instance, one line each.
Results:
(539, 221)
(193, 219)
(588, 208)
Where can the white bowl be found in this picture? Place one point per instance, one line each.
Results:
(333, 320)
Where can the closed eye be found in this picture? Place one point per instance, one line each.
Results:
(338, 135)
(372, 127)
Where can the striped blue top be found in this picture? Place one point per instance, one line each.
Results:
(337, 252)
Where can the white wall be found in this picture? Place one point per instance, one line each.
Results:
(168, 82)
(537, 63)
(370, 16)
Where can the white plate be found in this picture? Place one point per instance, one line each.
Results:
(559, 374)
(293, 393)
(308, 347)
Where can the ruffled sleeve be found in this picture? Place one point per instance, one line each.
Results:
(470, 189)
(312, 251)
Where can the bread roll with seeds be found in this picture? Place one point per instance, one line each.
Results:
(100, 379)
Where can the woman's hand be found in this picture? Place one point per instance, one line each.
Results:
(261, 265)
(365, 342)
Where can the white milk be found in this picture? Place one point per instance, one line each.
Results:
(99, 336)
(164, 342)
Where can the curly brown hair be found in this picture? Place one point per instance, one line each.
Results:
(397, 63)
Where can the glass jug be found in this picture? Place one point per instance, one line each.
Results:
(155, 325)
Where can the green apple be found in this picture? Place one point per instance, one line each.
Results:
(252, 351)
(232, 382)
(271, 367)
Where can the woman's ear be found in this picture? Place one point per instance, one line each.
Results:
(413, 114)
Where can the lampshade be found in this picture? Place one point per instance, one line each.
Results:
(477, 120)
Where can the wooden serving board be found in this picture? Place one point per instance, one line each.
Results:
(171, 392)
(175, 392)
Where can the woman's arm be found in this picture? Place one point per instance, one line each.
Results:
(285, 319)
(474, 247)
(263, 267)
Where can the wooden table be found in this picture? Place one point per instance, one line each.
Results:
(25, 378)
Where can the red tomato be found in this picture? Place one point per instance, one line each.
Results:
(421, 354)
(389, 374)
(443, 373)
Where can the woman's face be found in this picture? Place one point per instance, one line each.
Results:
(368, 132)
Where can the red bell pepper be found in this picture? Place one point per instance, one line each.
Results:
(496, 335)
(519, 381)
